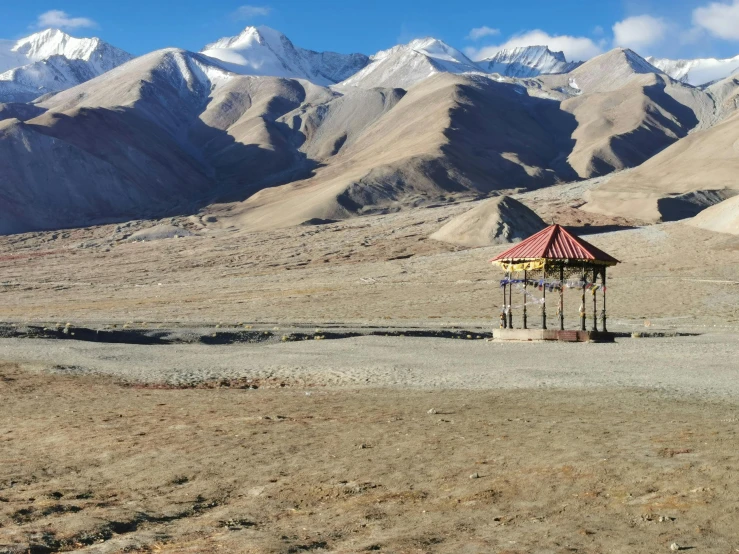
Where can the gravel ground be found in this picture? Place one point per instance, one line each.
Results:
(704, 366)
(88, 465)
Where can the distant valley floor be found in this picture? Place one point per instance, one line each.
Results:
(374, 270)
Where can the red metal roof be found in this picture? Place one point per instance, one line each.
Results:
(555, 242)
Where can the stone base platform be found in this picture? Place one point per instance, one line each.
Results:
(552, 334)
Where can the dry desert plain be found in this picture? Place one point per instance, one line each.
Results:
(370, 443)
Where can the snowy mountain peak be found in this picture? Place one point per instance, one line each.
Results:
(699, 71)
(527, 61)
(50, 42)
(438, 49)
(254, 31)
(261, 35)
(531, 51)
(406, 64)
(50, 61)
(264, 51)
(53, 42)
(429, 47)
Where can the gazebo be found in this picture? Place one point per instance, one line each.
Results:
(551, 261)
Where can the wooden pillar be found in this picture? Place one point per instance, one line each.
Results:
(561, 298)
(504, 314)
(603, 280)
(595, 300)
(582, 305)
(510, 301)
(525, 285)
(544, 304)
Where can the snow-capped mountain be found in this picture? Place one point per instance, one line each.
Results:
(407, 64)
(697, 72)
(264, 51)
(100, 55)
(50, 61)
(527, 61)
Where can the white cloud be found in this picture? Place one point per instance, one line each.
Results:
(61, 20)
(479, 32)
(692, 36)
(721, 20)
(639, 32)
(250, 12)
(574, 48)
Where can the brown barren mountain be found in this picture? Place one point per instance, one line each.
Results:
(450, 136)
(693, 173)
(497, 220)
(626, 112)
(722, 217)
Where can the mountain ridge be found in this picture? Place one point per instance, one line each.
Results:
(174, 131)
(527, 61)
(265, 51)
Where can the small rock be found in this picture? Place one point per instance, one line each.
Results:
(475, 476)
(674, 547)
(432, 411)
(363, 446)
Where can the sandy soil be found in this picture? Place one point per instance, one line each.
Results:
(94, 466)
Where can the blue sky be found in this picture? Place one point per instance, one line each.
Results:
(669, 28)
